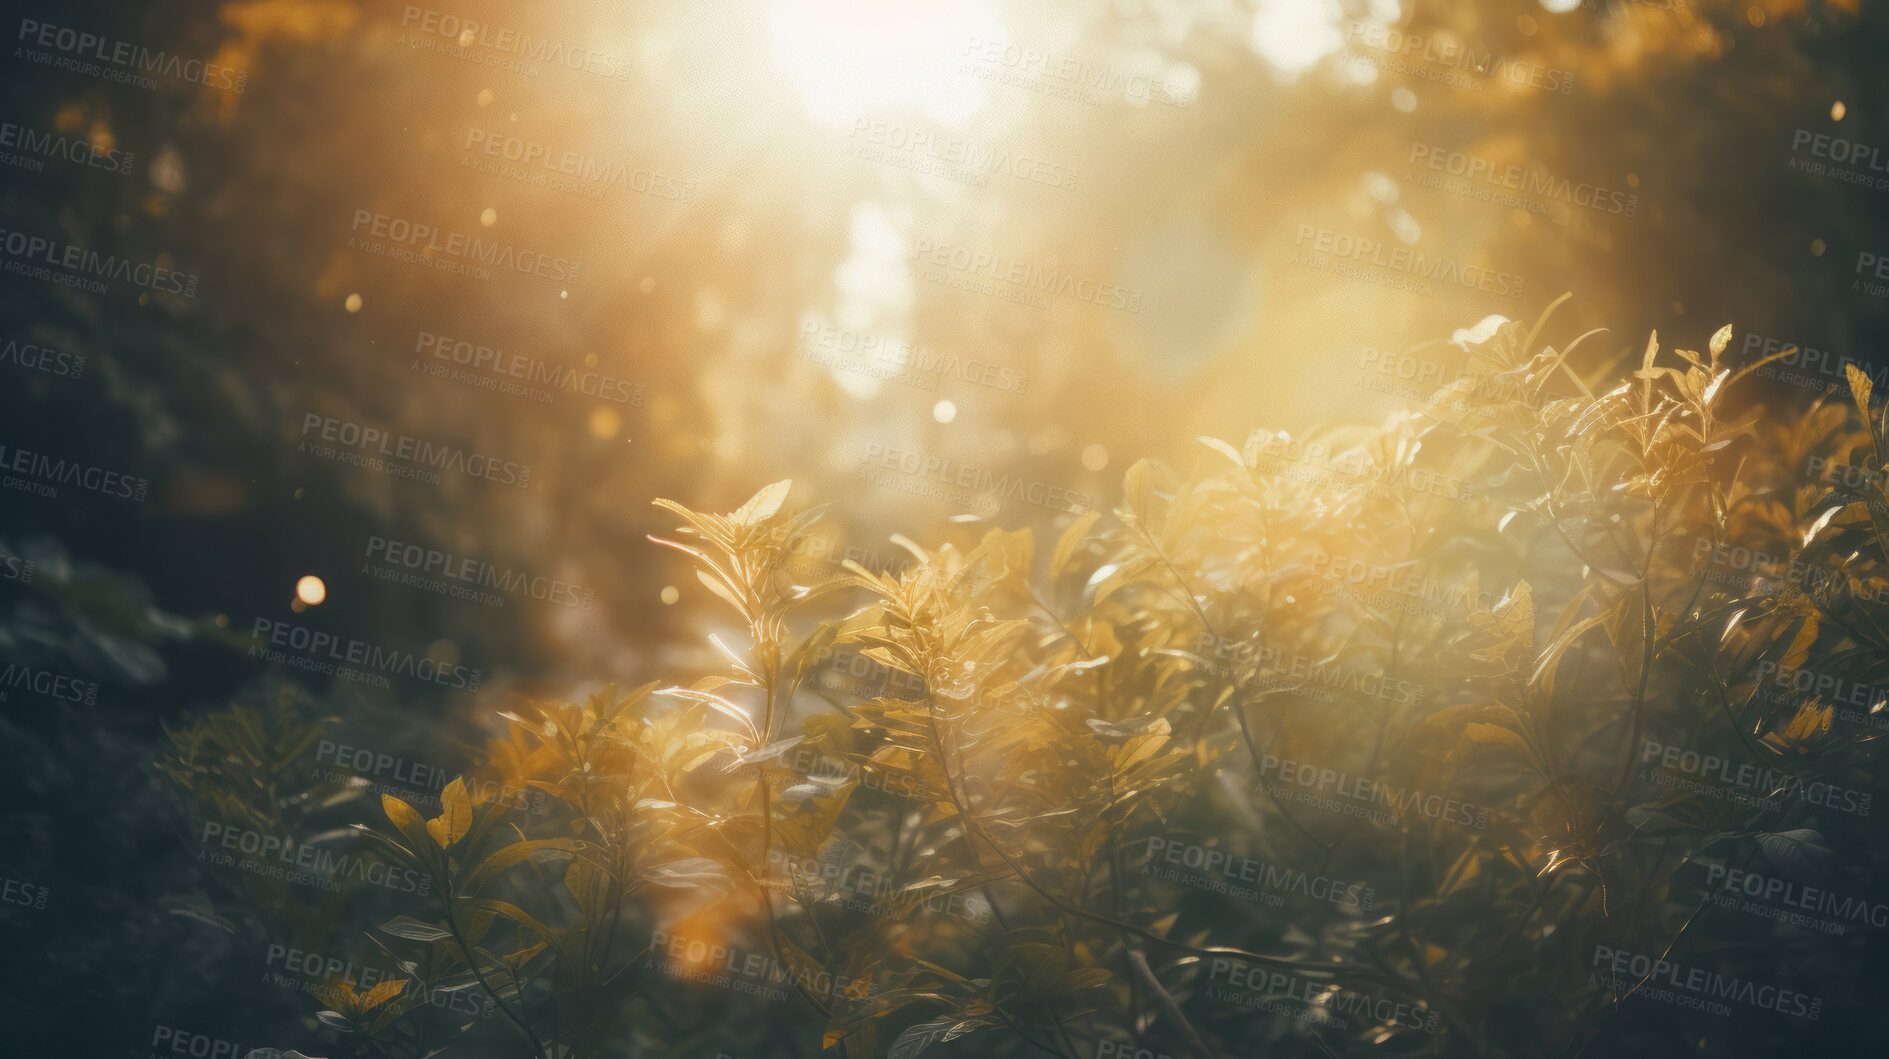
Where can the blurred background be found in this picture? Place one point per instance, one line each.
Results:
(943, 264)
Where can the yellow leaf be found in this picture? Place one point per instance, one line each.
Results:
(762, 504)
(382, 993)
(455, 818)
(403, 815)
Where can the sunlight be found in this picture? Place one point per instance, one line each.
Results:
(847, 58)
(1292, 35)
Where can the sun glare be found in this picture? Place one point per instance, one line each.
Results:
(1293, 35)
(848, 58)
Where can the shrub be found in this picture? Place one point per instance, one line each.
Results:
(1457, 735)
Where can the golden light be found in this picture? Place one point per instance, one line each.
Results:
(605, 422)
(1292, 35)
(847, 58)
(311, 590)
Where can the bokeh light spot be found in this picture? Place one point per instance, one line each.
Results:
(311, 590)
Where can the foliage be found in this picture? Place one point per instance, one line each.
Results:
(1343, 742)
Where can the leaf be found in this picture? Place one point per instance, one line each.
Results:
(408, 821)
(455, 818)
(1485, 732)
(522, 918)
(1223, 449)
(415, 930)
(718, 704)
(690, 872)
(716, 586)
(382, 993)
(1860, 389)
(1720, 339)
(762, 504)
(944, 1028)
(335, 1020)
(1133, 726)
(770, 751)
(518, 853)
(1796, 853)
(403, 815)
(1072, 539)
